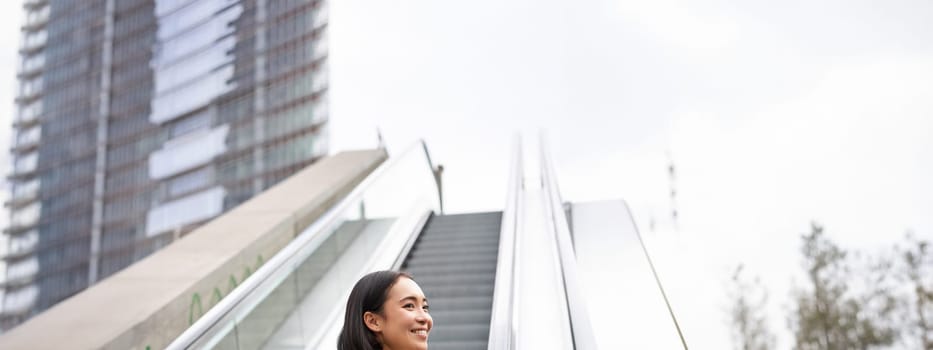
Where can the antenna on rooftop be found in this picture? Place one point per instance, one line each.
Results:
(672, 177)
(381, 144)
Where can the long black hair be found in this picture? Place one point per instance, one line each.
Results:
(368, 295)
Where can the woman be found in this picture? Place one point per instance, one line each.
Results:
(386, 310)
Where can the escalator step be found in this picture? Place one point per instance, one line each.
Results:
(451, 270)
(446, 332)
(459, 345)
(457, 240)
(447, 251)
(486, 243)
(457, 279)
(455, 259)
(460, 303)
(444, 291)
(465, 230)
(461, 316)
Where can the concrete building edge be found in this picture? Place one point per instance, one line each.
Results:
(160, 327)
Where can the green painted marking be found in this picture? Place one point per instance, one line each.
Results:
(216, 296)
(231, 283)
(196, 308)
(246, 272)
(195, 301)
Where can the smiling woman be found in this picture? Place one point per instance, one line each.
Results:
(386, 310)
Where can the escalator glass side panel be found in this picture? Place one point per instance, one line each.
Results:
(620, 289)
(293, 298)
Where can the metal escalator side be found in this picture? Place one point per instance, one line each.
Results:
(291, 302)
(536, 303)
(580, 327)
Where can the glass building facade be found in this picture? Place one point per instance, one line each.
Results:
(138, 120)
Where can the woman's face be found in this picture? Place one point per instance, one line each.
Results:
(405, 322)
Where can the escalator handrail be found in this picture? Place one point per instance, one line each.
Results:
(300, 247)
(502, 326)
(581, 329)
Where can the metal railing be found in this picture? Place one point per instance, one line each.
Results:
(219, 326)
(502, 322)
(581, 329)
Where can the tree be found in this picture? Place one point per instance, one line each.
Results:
(917, 273)
(749, 321)
(828, 314)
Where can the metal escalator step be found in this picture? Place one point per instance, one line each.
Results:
(488, 228)
(451, 269)
(447, 332)
(442, 225)
(465, 233)
(452, 259)
(456, 243)
(453, 251)
(439, 303)
(485, 226)
(455, 240)
(462, 237)
(445, 228)
(468, 216)
(490, 243)
(458, 345)
(457, 289)
(480, 316)
(436, 265)
(445, 291)
(456, 279)
(476, 221)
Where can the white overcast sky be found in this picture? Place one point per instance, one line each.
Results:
(774, 113)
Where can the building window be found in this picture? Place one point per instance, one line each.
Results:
(189, 182)
(198, 121)
(24, 242)
(26, 163)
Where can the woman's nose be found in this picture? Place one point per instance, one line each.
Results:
(423, 317)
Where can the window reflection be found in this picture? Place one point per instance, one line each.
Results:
(25, 216)
(194, 66)
(189, 182)
(189, 97)
(26, 163)
(24, 242)
(190, 209)
(194, 13)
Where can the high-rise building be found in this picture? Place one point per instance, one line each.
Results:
(140, 119)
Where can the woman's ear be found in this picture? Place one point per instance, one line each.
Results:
(373, 321)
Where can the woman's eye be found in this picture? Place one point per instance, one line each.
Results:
(408, 306)
(426, 308)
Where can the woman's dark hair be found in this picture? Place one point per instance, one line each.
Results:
(369, 294)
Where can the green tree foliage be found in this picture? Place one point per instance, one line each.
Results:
(830, 315)
(746, 315)
(916, 272)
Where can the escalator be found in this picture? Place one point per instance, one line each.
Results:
(454, 262)
(541, 273)
(486, 275)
